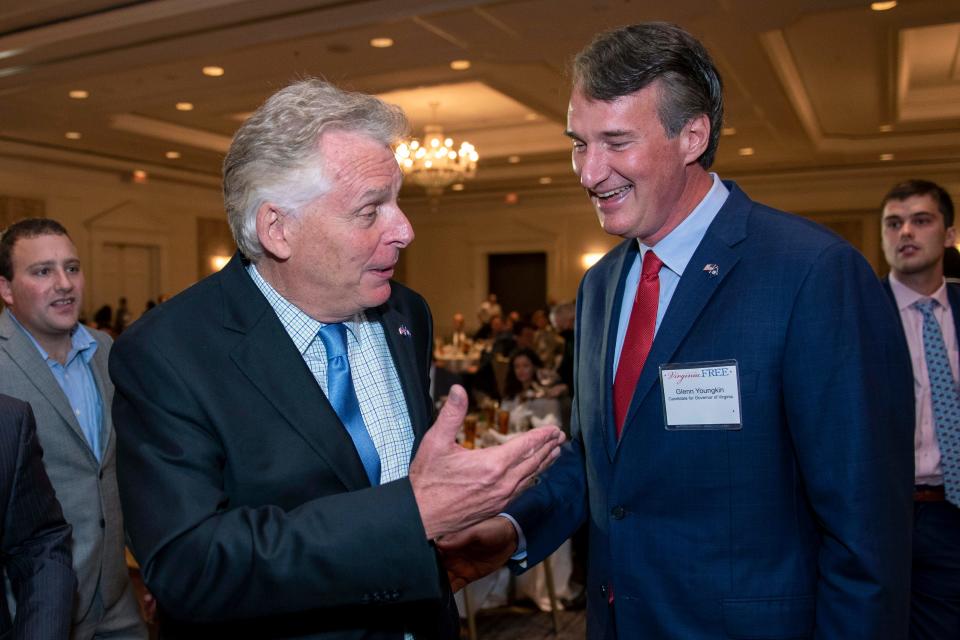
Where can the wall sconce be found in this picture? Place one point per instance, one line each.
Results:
(587, 260)
(218, 262)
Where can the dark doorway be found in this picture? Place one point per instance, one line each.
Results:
(519, 280)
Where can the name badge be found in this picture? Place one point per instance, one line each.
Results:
(701, 395)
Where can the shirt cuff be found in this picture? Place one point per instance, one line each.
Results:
(520, 557)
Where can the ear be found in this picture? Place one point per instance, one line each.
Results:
(695, 137)
(273, 230)
(950, 238)
(6, 291)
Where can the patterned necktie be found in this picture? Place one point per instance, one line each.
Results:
(639, 338)
(945, 398)
(343, 397)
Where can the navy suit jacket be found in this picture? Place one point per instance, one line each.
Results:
(34, 537)
(245, 500)
(795, 526)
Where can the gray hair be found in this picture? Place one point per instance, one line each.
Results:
(274, 156)
(625, 60)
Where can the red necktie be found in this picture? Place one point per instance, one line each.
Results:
(636, 344)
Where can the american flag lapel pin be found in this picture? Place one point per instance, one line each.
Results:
(404, 331)
(712, 269)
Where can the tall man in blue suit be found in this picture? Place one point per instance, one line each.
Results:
(917, 224)
(741, 442)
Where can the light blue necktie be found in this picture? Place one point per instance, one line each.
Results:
(343, 397)
(945, 397)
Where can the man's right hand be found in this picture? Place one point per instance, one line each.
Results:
(477, 551)
(456, 487)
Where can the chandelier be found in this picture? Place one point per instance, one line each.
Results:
(433, 163)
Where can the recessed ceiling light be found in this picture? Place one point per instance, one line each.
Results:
(511, 198)
(72, 135)
(460, 65)
(381, 43)
(530, 117)
(883, 6)
(728, 131)
(184, 106)
(513, 159)
(457, 187)
(172, 155)
(213, 71)
(139, 176)
(886, 128)
(546, 180)
(886, 157)
(79, 94)
(745, 151)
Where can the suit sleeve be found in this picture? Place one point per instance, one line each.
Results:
(848, 396)
(207, 558)
(36, 540)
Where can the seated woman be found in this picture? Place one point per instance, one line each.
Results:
(531, 390)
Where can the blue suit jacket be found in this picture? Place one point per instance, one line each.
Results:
(795, 526)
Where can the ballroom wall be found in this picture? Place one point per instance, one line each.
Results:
(447, 261)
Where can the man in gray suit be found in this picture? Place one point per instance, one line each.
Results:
(50, 360)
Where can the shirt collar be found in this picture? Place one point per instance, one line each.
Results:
(81, 342)
(301, 328)
(905, 296)
(678, 247)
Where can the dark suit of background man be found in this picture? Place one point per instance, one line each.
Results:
(917, 225)
(791, 522)
(59, 366)
(34, 537)
(288, 502)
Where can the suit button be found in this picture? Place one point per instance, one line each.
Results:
(618, 512)
(101, 474)
(103, 523)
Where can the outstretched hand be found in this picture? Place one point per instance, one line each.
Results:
(456, 487)
(477, 551)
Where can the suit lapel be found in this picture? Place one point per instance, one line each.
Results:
(953, 296)
(614, 302)
(695, 289)
(98, 365)
(25, 355)
(396, 328)
(272, 364)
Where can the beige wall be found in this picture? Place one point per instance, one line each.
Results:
(100, 207)
(447, 261)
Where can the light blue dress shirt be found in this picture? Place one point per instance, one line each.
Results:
(78, 384)
(675, 251)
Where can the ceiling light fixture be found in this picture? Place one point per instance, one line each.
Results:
(546, 180)
(139, 176)
(213, 71)
(745, 151)
(457, 187)
(381, 43)
(886, 128)
(513, 159)
(460, 65)
(886, 157)
(72, 135)
(184, 106)
(432, 162)
(728, 131)
(883, 6)
(172, 155)
(79, 94)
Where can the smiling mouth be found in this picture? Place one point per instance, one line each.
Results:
(613, 193)
(63, 302)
